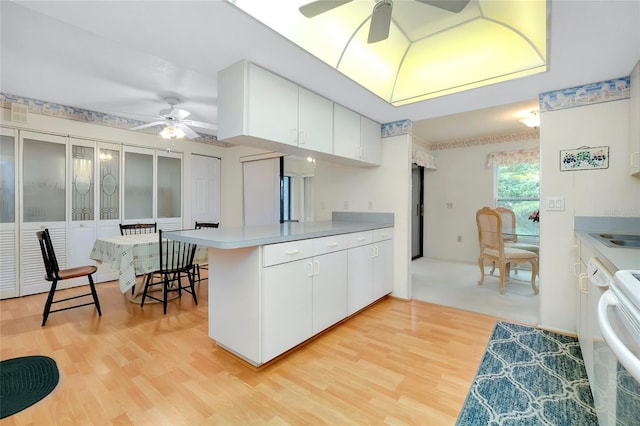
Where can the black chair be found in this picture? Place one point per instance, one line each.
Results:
(55, 274)
(202, 225)
(138, 228)
(176, 258)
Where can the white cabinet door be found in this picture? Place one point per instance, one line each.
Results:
(346, 132)
(383, 269)
(360, 277)
(286, 307)
(273, 107)
(329, 289)
(315, 122)
(370, 139)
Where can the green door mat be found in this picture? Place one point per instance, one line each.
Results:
(25, 381)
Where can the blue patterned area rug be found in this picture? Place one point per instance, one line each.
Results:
(529, 376)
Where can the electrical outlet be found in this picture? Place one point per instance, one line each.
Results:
(346, 205)
(459, 238)
(370, 205)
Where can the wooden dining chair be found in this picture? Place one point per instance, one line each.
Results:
(176, 259)
(510, 233)
(55, 275)
(138, 228)
(204, 225)
(492, 248)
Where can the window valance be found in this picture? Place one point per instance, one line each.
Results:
(424, 159)
(513, 157)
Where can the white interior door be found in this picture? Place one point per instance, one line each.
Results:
(8, 213)
(43, 183)
(205, 189)
(261, 183)
(82, 225)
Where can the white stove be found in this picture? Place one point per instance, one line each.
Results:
(617, 361)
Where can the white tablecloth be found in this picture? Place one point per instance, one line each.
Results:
(133, 255)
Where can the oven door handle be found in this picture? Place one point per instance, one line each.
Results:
(630, 361)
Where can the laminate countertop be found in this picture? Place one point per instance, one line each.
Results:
(619, 257)
(250, 236)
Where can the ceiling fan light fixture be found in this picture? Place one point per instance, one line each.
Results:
(172, 132)
(531, 120)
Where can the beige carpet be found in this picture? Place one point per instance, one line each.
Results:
(455, 284)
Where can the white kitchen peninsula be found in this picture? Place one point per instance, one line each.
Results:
(273, 287)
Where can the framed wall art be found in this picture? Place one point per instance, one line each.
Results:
(584, 158)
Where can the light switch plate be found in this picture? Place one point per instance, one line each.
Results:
(555, 204)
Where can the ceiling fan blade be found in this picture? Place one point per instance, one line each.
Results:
(200, 124)
(144, 126)
(175, 113)
(380, 21)
(454, 6)
(315, 8)
(188, 131)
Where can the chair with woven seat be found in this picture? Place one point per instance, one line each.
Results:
(493, 249)
(204, 225)
(138, 228)
(55, 275)
(176, 259)
(510, 233)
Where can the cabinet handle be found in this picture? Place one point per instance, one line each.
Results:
(634, 160)
(290, 252)
(303, 137)
(373, 251)
(384, 235)
(309, 269)
(576, 269)
(317, 267)
(332, 244)
(361, 239)
(581, 279)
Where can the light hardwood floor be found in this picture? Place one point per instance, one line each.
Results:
(397, 362)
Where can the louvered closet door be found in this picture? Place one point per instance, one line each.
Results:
(43, 183)
(8, 206)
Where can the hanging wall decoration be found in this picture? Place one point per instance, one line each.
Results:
(584, 158)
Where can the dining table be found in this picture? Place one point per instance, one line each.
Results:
(132, 256)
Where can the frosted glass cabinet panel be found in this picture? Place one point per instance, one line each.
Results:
(138, 186)
(7, 178)
(109, 175)
(82, 191)
(169, 187)
(43, 181)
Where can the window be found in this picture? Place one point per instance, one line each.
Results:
(518, 189)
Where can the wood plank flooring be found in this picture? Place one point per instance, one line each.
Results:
(398, 362)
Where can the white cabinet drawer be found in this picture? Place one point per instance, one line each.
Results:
(382, 234)
(274, 254)
(330, 244)
(360, 238)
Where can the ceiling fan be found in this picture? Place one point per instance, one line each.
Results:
(175, 124)
(381, 15)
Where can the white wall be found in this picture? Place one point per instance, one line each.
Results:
(463, 180)
(608, 192)
(386, 188)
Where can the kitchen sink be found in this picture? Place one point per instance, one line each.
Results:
(618, 240)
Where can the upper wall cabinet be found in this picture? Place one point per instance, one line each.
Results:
(634, 121)
(260, 109)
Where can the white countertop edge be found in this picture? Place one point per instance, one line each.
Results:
(251, 236)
